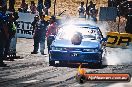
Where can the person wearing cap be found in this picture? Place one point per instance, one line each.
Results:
(39, 35)
(36, 18)
(11, 30)
(51, 30)
(81, 10)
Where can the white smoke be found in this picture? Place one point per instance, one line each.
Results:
(118, 56)
(104, 27)
(115, 56)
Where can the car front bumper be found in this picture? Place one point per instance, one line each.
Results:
(75, 56)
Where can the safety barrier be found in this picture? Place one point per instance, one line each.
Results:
(24, 27)
(116, 39)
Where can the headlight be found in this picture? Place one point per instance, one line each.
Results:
(90, 50)
(57, 48)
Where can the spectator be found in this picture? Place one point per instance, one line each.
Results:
(24, 7)
(33, 8)
(11, 31)
(39, 35)
(3, 36)
(81, 10)
(91, 6)
(11, 5)
(36, 18)
(51, 30)
(40, 6)
(3, 4)
(92, 11)
(47, 4)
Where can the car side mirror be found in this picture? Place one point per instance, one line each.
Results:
(104, 41)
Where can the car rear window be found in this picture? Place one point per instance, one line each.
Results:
(69, 33)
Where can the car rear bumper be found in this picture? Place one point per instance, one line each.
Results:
(72, 56)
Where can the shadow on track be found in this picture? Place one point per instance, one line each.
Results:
(76, 65)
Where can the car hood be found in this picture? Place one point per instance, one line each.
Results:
(84, 44)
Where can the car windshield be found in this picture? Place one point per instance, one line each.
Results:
(66, 33)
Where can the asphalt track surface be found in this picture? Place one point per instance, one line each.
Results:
(33, 70)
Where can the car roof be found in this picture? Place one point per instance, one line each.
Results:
(84, 24)
(87, 26)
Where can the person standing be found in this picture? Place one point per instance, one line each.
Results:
(34, 23)
(81, 10)
(92, 12)
(33, 8)
(51, 30)
(11, 5)
(24, 6)
(40, 6)
(3, 4)
(39, 35)
(11, 30)
(3, 36)
(47, 4)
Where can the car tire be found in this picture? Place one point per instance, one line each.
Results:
(95, 65)
(62, 62)
(98, 65)
(51, 62)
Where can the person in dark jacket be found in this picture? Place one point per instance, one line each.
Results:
(36, 18)
(39, 35)
(11, 30)
(3, 36)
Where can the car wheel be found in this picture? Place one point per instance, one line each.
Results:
(51, 62)
(98, 65)
(62, 62)
(95, 65)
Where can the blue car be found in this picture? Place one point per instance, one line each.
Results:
(80, 43)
